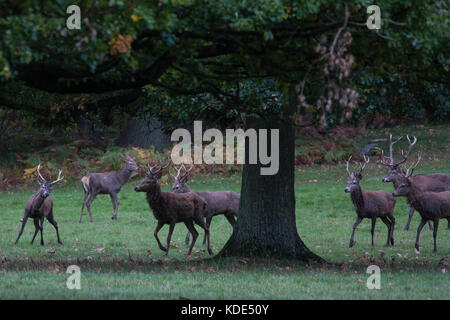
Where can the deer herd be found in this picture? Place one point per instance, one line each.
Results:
(429, 194)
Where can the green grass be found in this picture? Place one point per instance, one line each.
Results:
(115, 263)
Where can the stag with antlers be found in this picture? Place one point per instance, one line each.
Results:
(435, 182)
(40, 206)
(171, 208)
(106, 183)
(370, 204)
(217, 203)
(432, 206)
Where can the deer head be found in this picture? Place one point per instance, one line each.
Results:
(179, 184)
(395, 169)
(354, 178)
(130, 163)
(403, 188)
(152, 176)
(46, 187)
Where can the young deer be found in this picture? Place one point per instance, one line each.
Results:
(40, 206)
(171, 208)
(106, 183)
(370, 204)
(432, 206)
(436, 182)
(217, 203)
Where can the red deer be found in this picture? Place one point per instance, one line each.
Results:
(370, 204)
(431, 206)
(40, 206)
(106, 183)
(217, 203)
(171, 208)
(435, 182)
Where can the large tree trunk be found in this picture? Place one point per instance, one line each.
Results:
(266, 225)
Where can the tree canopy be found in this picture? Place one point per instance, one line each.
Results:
(214, 57)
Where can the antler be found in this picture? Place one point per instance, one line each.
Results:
(366, 161)
(39, 174)
(348, 171)
(58, 179)
(413, 166)
(411, 144)
(391, 157)
(127, 158)
(362, 166)
(186, 170)
(151, 168)
(178, 173)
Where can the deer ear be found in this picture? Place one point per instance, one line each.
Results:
(359, 176)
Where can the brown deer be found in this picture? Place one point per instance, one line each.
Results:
(171, 208)
(40, 206)
(432, 206)
(106, 183)
(435, 182)
(217, 203)
(370, 204)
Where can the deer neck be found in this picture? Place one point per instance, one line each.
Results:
(413, 196)
(357, 198)
(37, 201)
(123, 175)
(155, 198)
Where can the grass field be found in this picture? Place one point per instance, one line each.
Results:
(115, 259)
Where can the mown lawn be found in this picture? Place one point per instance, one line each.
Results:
(121, 260)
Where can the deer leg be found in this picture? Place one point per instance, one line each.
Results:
(88, 204)
(202, 224)
(191, 228)
(435, 229)
(86, 193)
(391, 216)
(208, 223)
(372, 230)
(230, 218)
(389, 225)
(55, 225)
(169, 236)
(411, 212)
(158, 227)
(357, 222)
(187, 238)
(24, 221)
(41, 227)
(36, 229)
(419, 229)
(115, 202)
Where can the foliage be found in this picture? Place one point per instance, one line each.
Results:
(203, 55)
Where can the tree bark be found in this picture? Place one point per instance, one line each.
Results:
(266, 224)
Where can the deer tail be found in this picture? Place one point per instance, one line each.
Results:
(85, 182)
